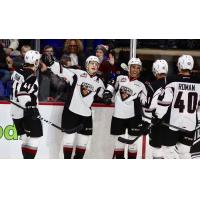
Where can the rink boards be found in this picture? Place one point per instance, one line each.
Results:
(101, 142)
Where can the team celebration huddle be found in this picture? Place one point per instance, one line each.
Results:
(166, 109)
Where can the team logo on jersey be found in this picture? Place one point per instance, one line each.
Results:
(84, 75)
(123, 80)
(86, 89)
(125, 93)
(16, 77)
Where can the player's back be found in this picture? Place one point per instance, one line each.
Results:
(25, 86)
(182, 93)
(154, 89)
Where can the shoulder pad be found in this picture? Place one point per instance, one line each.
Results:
(171, 79)
(17, 77)
(122, 78)
(138, 82)
(31, 79)
(159, 84)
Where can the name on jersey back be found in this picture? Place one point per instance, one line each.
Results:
(183, 86)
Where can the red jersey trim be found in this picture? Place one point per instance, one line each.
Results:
(98, 105)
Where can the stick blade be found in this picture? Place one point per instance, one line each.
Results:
(125, 141)
(124, 66)
(73, 130)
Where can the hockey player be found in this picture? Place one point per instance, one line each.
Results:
(181, 100)
(159, 69)
(77, 110)
(25, 94)
(130, 97)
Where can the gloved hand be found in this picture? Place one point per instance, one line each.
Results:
(30, 104)
(107, 97)
(144, 128)
(156, 121)
(48, 60)
(31, 111)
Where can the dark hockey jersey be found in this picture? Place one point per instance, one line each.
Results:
(24, 89)
(181, 98)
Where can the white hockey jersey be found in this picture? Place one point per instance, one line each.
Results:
(83, 89)
(125, 98)
(24, 89)
(56, 68)
(181, 98)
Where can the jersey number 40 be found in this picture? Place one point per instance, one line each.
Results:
(191, 102)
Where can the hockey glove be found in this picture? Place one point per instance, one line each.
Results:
(107, 97)
(144, 128)
(48, 60)
(31, 111)
(156, 121)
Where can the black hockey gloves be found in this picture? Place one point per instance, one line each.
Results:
(107, 97)
(144, 128)
(48, 60)
(156, 121)
(31, 111)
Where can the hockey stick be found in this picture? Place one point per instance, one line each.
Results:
(129, 141)
(197, 129)
(124, 66)
(72, 130)
(170, 125)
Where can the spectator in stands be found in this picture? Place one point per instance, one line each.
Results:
(48, 50)
(74, 49)
(24, 49)
(9, 45)
(4, 68)
(17, 59)
(113, 61)
(107, 64)
(65, 60)
(10, 48)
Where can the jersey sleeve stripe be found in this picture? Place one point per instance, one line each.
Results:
(164, 103)
(149, 110)
(23, 94)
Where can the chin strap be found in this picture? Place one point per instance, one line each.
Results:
(91, 75)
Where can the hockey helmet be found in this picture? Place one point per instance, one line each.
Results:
(134, 61)
(160, 67)
(92, 59)
(32, 57)
(185, 62)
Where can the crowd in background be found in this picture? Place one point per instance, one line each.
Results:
(72, 55)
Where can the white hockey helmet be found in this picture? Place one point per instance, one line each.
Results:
(92, 59)
(185, 62)
(32, 57)
(160, 67)
(134, 61)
